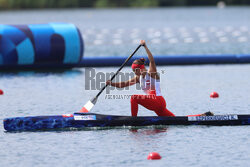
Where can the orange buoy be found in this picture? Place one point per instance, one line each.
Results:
(214, 95)
(154, 156)
(1, 92)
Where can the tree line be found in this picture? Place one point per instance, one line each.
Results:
(24, 4)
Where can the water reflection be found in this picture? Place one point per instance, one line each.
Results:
(148, 137)
(152, 131)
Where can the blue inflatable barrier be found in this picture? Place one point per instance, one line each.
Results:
(40, 46)
(168, 60)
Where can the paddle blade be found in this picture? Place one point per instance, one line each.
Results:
(87, 107)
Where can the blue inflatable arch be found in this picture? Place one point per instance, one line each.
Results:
(40, 45)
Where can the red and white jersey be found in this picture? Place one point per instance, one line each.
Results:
(150, 85)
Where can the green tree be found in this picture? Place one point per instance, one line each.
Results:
(86, 3)
(19, 4)
(104, 3)
(144, 3)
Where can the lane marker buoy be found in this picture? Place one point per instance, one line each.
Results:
(1, 92)
(214, 95)
(154, 156)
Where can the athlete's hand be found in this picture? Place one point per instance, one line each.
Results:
(142, 42)
(108, 82)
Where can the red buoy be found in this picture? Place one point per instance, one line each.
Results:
(1, 92)
(214, 95)
(154, 156)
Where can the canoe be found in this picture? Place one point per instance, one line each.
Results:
(84, 120)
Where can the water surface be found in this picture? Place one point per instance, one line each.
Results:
(186, 89)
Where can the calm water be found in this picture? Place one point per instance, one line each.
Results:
(186, 89)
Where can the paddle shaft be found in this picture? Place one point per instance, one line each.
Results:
(118, 71)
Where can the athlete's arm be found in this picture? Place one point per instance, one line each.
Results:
(152, 66)
(123, 84)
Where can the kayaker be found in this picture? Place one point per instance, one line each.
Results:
(149, 81)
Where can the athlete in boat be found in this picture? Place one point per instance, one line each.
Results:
(150, 84)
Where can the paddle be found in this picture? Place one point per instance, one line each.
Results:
(90, 104)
